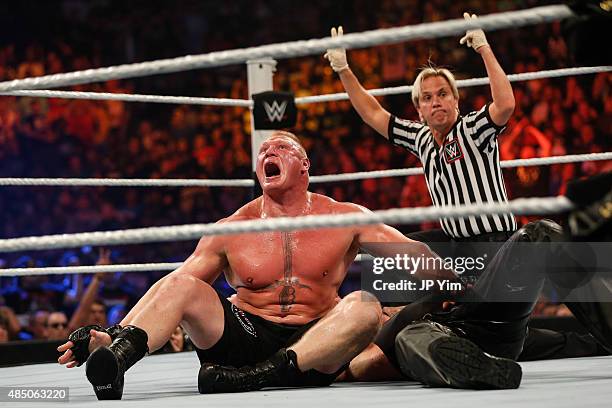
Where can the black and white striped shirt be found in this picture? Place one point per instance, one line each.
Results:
(464, 170)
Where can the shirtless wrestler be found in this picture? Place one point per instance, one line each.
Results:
(286, 325)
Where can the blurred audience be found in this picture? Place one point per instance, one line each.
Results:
(57, 326)
(4, 329)
(37, 326)
(179, 341)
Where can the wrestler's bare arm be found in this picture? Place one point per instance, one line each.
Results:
(382, 233)
(207, 261)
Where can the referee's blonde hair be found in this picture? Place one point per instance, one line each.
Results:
(430, 71)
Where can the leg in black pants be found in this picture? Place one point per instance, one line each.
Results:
(543, 344)
(448, 349)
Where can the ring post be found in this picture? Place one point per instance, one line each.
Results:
(260, 73)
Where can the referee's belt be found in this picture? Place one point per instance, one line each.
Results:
(499, 236)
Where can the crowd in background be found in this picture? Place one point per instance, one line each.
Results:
(77, 138)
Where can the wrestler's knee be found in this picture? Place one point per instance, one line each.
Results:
(364, 309)
(178, 284)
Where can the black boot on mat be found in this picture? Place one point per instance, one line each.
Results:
(278, 371)
(432, 354)
(467, 366)
(106, 366)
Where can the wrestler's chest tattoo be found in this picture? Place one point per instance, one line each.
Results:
(289, 283)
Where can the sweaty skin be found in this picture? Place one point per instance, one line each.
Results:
(285, 277)
(290, 277)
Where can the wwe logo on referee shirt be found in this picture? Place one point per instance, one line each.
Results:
(275, 111)
(452, 151)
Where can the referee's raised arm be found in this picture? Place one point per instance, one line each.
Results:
(365, 104)
(501, 91)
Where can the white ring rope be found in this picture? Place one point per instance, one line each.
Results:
(103, 96)
(192, 100)
(327, 178)
(550, 205)
(94, 182)
(512, 19)
(569, 158)
(506, 164)
(65, 270)
(462, 83)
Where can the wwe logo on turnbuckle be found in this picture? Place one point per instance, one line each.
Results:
(275, 111)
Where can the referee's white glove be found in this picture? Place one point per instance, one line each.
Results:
(337, 56)
(473, 38)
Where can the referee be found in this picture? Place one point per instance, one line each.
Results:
(460, 154)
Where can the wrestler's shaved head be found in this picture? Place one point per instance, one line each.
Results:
(289, 135)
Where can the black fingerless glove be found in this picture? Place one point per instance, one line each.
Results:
(81, 337)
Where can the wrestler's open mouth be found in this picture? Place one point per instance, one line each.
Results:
(271, 170)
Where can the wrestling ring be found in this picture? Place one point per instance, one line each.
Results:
(545, 383)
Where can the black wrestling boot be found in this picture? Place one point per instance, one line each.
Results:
(465, 365)
(433, 354)
(106, 366)
(280, 370)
